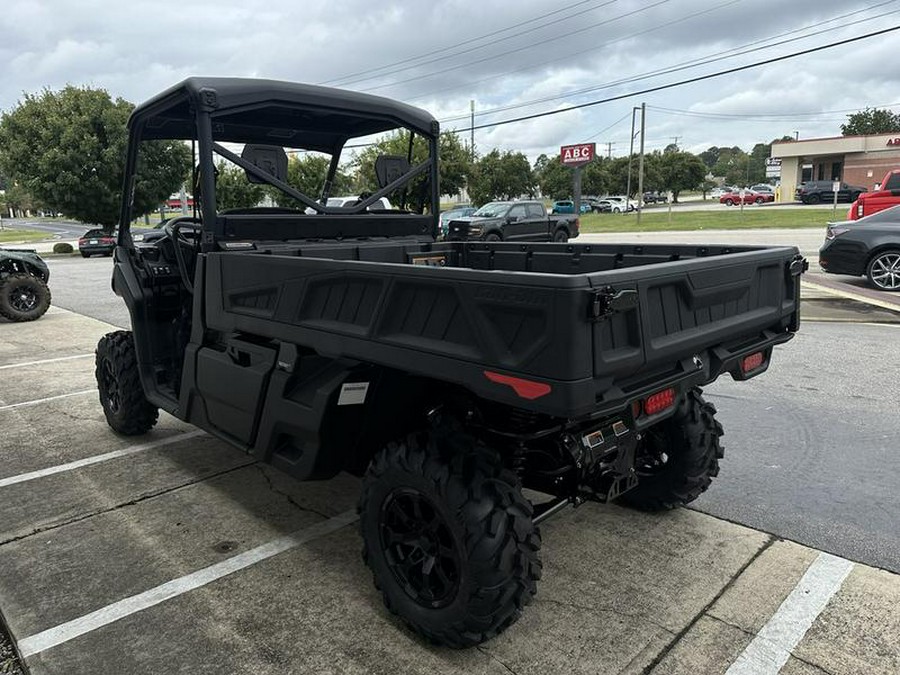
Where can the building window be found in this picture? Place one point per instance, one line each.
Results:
(836, 168)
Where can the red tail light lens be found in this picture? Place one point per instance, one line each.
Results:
(752, 362)
(659, 401)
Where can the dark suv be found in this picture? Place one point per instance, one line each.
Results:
(817, 191)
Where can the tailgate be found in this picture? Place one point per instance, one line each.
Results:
(671, 311)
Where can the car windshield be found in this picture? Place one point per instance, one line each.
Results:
(492, 209)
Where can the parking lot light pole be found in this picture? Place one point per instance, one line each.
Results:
(630, 160)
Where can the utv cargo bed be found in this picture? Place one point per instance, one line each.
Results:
(564, 330)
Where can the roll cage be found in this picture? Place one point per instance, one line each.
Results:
(270, 115)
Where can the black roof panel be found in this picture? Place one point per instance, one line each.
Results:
(275, 112)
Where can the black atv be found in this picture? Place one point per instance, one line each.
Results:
(24, 295)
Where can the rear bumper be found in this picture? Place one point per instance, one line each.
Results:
(843, 257)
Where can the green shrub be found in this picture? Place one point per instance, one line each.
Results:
(62, 247)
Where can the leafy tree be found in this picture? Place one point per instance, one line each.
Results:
(758, 156)
(17, 199)
(555, 180)
(501, 176)
(307, 173)
(732, 165)
(706, 186)
(871, 121)
(710, 156)
(66, 148)
(680, 171)
(617, 173)
(595, 177)
(454, 165)
(233, 190)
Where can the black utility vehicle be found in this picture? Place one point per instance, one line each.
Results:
(513, 221)
(24, 295)
(449, 375)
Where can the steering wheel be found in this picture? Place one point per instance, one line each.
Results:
(173, 230)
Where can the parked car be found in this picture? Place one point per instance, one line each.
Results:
(817, 191)
(763, 188)
(867, 247)
(96, 241)
(624, 203)
(885, 195)
(513, 221)
(749, 197)
(455, 212)
(24, 295)
(610, 206)
(568, 206)
(350, 200)
(655, 197)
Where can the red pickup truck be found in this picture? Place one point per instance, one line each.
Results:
(886, 195)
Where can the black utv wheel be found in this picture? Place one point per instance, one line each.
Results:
(449, 537)
(678, 458)
(121, 394)
(23, 297)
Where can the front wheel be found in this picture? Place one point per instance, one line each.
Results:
(493, 236)
(678, 457)
(561, 236)
(883, 271)
(23, 297)
(813, 199)
(729, 202)
(121, 394)
(759, 200)
(449, 537)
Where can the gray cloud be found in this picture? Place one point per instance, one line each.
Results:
(134, 49)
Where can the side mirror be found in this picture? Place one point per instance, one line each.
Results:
(512, 219)
(877, 187)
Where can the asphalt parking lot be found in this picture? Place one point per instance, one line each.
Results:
(172, 553)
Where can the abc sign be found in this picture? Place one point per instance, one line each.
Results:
(576, 155)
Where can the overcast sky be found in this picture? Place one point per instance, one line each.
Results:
(532, 54)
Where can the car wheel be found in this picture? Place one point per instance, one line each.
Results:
(813, 199)
(85, 254)
(493, 236)
(883, 271)
(759, 200)
(23, 297)
(678, 457)
(449, 537)
(561, 236)
(617, 210)
(729, 202)
(119, 385)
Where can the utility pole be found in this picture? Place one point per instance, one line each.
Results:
(675, 139)
(630, 158)
(609, 145)
(641, 164)
(472, 131)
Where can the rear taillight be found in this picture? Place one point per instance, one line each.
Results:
(661, 400)
(859, 209)
(752, 362)
(833, 232)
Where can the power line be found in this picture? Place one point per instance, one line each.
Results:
(693, 63)
(692, 80)
(360, 77)
(768, 117)
(518, 49)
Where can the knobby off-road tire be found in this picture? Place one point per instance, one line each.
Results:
(449, 537)
(23, 297)
(119, 385)
(690, 441)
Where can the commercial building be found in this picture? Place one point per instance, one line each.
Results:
(857, 160)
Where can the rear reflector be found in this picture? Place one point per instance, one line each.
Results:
(659, 401)
(752, 362)
(523, 388)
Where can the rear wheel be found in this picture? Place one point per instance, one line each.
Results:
(121, 394)
(729, 202)
(23, 297)
(561, 236)
(759, 200)
(883, 271)
(813, 199)
(449, 537)
(678, 457)
(493, 236)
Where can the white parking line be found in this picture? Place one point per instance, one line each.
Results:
(46, 400)
(771, 648)
(119, 610)
(43, 361)
(96, 459)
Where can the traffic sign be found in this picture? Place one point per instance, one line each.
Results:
(577, 155)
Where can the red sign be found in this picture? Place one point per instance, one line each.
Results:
(576, 155)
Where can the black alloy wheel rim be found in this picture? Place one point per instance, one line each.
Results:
(23, 299)
(110, 385)
(419, 548)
